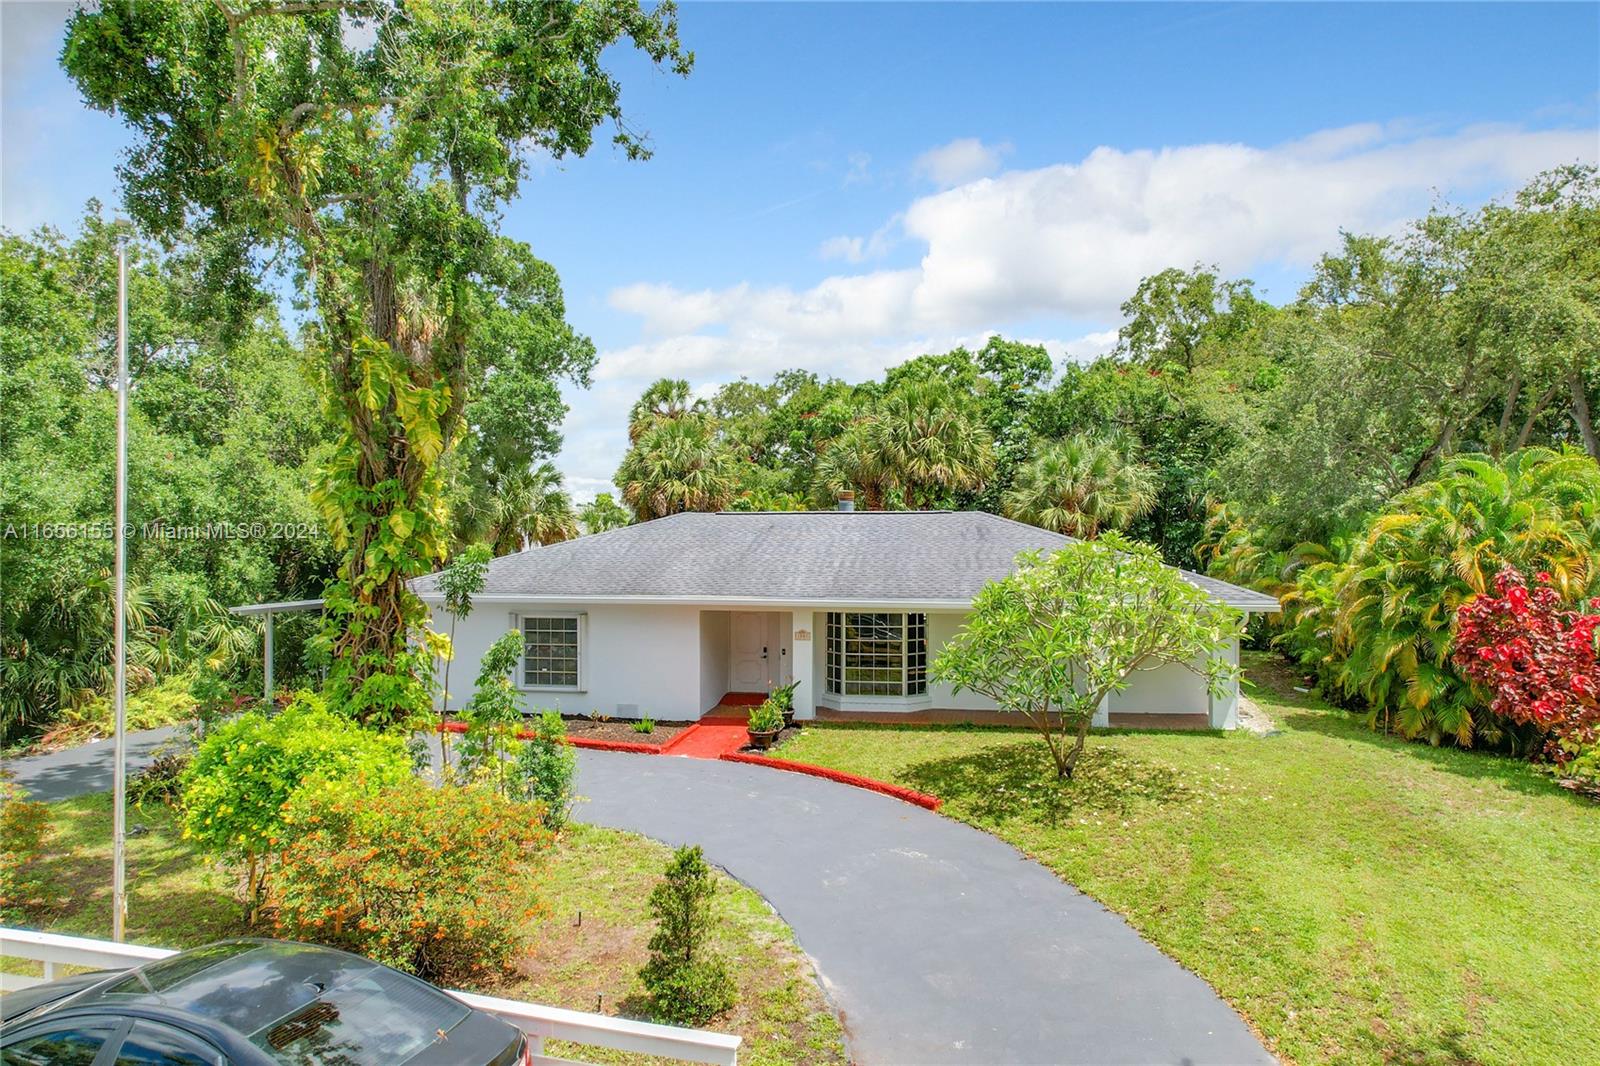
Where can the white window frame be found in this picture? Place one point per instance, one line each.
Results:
(904, 696)
(519, 680)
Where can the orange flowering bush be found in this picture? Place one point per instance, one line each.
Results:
(439, 882)
(24, 828)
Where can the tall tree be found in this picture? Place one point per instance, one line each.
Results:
(377, 162)
(929, 444)
(526, 507)
(665, 399)
(603, 513)
(678, 464)
(1081, 486)
(1172, 313)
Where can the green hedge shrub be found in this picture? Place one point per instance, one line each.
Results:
(545, 768)
(687, 981)
(439, 882)
(247, 769)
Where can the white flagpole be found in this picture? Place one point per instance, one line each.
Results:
(119, 815)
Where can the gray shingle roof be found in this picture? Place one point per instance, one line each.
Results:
(862, 556)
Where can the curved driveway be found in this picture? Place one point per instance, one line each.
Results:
(936, 942)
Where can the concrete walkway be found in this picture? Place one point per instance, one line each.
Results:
(87, 767)
(936, 942)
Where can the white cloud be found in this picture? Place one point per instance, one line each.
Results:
(860, 249)
(1084, 349)
(960, 160)
(1073, 239)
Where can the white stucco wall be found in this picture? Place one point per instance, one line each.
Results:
(672, 663)
(646, 658)
(715, 644)
(1165, 690)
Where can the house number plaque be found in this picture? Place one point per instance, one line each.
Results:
(802, 634)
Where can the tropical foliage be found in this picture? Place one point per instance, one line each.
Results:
(439, 882)
(677, 464)
(288, 135)
(1080, 486)
(237, 789)
(1536, 656)
(1380, 625)
(224, 436)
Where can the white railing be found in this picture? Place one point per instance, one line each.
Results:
(541, 1023)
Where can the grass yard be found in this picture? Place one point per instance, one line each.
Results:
(177, 900)
(1356, 898)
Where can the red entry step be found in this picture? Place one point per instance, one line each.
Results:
(710, 738)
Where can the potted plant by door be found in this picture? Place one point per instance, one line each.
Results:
(784, 697)
(766, 722)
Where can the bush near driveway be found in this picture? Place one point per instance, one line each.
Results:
(439, 882)
(247, 770)
(24, 828)
(1358, 898)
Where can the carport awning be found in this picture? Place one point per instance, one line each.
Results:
(270, 609)
(284, 607)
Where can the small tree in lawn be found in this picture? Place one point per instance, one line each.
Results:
(493, 716)
(1536, 658)
(688, 983)
(463, 579)
(1066, 630)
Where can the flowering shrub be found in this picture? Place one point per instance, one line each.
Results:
(247, 769)
(24, 827)
(1535, 656)
(439, 882)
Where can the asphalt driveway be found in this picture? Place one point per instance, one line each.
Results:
(936, 942)
(87, 767)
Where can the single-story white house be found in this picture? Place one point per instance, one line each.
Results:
(670, 618)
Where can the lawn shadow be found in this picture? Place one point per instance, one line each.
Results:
(1508, 771)
(999, 783)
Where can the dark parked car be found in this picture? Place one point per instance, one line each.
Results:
(252, 1003)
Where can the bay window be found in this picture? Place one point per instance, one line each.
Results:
(877, 653)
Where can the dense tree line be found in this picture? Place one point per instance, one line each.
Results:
(1373, 451)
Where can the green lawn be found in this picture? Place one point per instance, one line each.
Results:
(1358, 899)
(586, 952)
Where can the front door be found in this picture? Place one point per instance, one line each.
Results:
(751, 653)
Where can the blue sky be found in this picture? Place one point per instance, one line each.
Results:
(841, 186)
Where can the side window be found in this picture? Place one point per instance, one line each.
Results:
(149, 1044)
(64, 1047)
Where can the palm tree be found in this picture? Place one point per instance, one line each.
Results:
(851, 461)
(928, 444)
(677, 464)
(1393, 604)
(529, 507)
(603, 513)
(1080, 486)
(666, 399)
